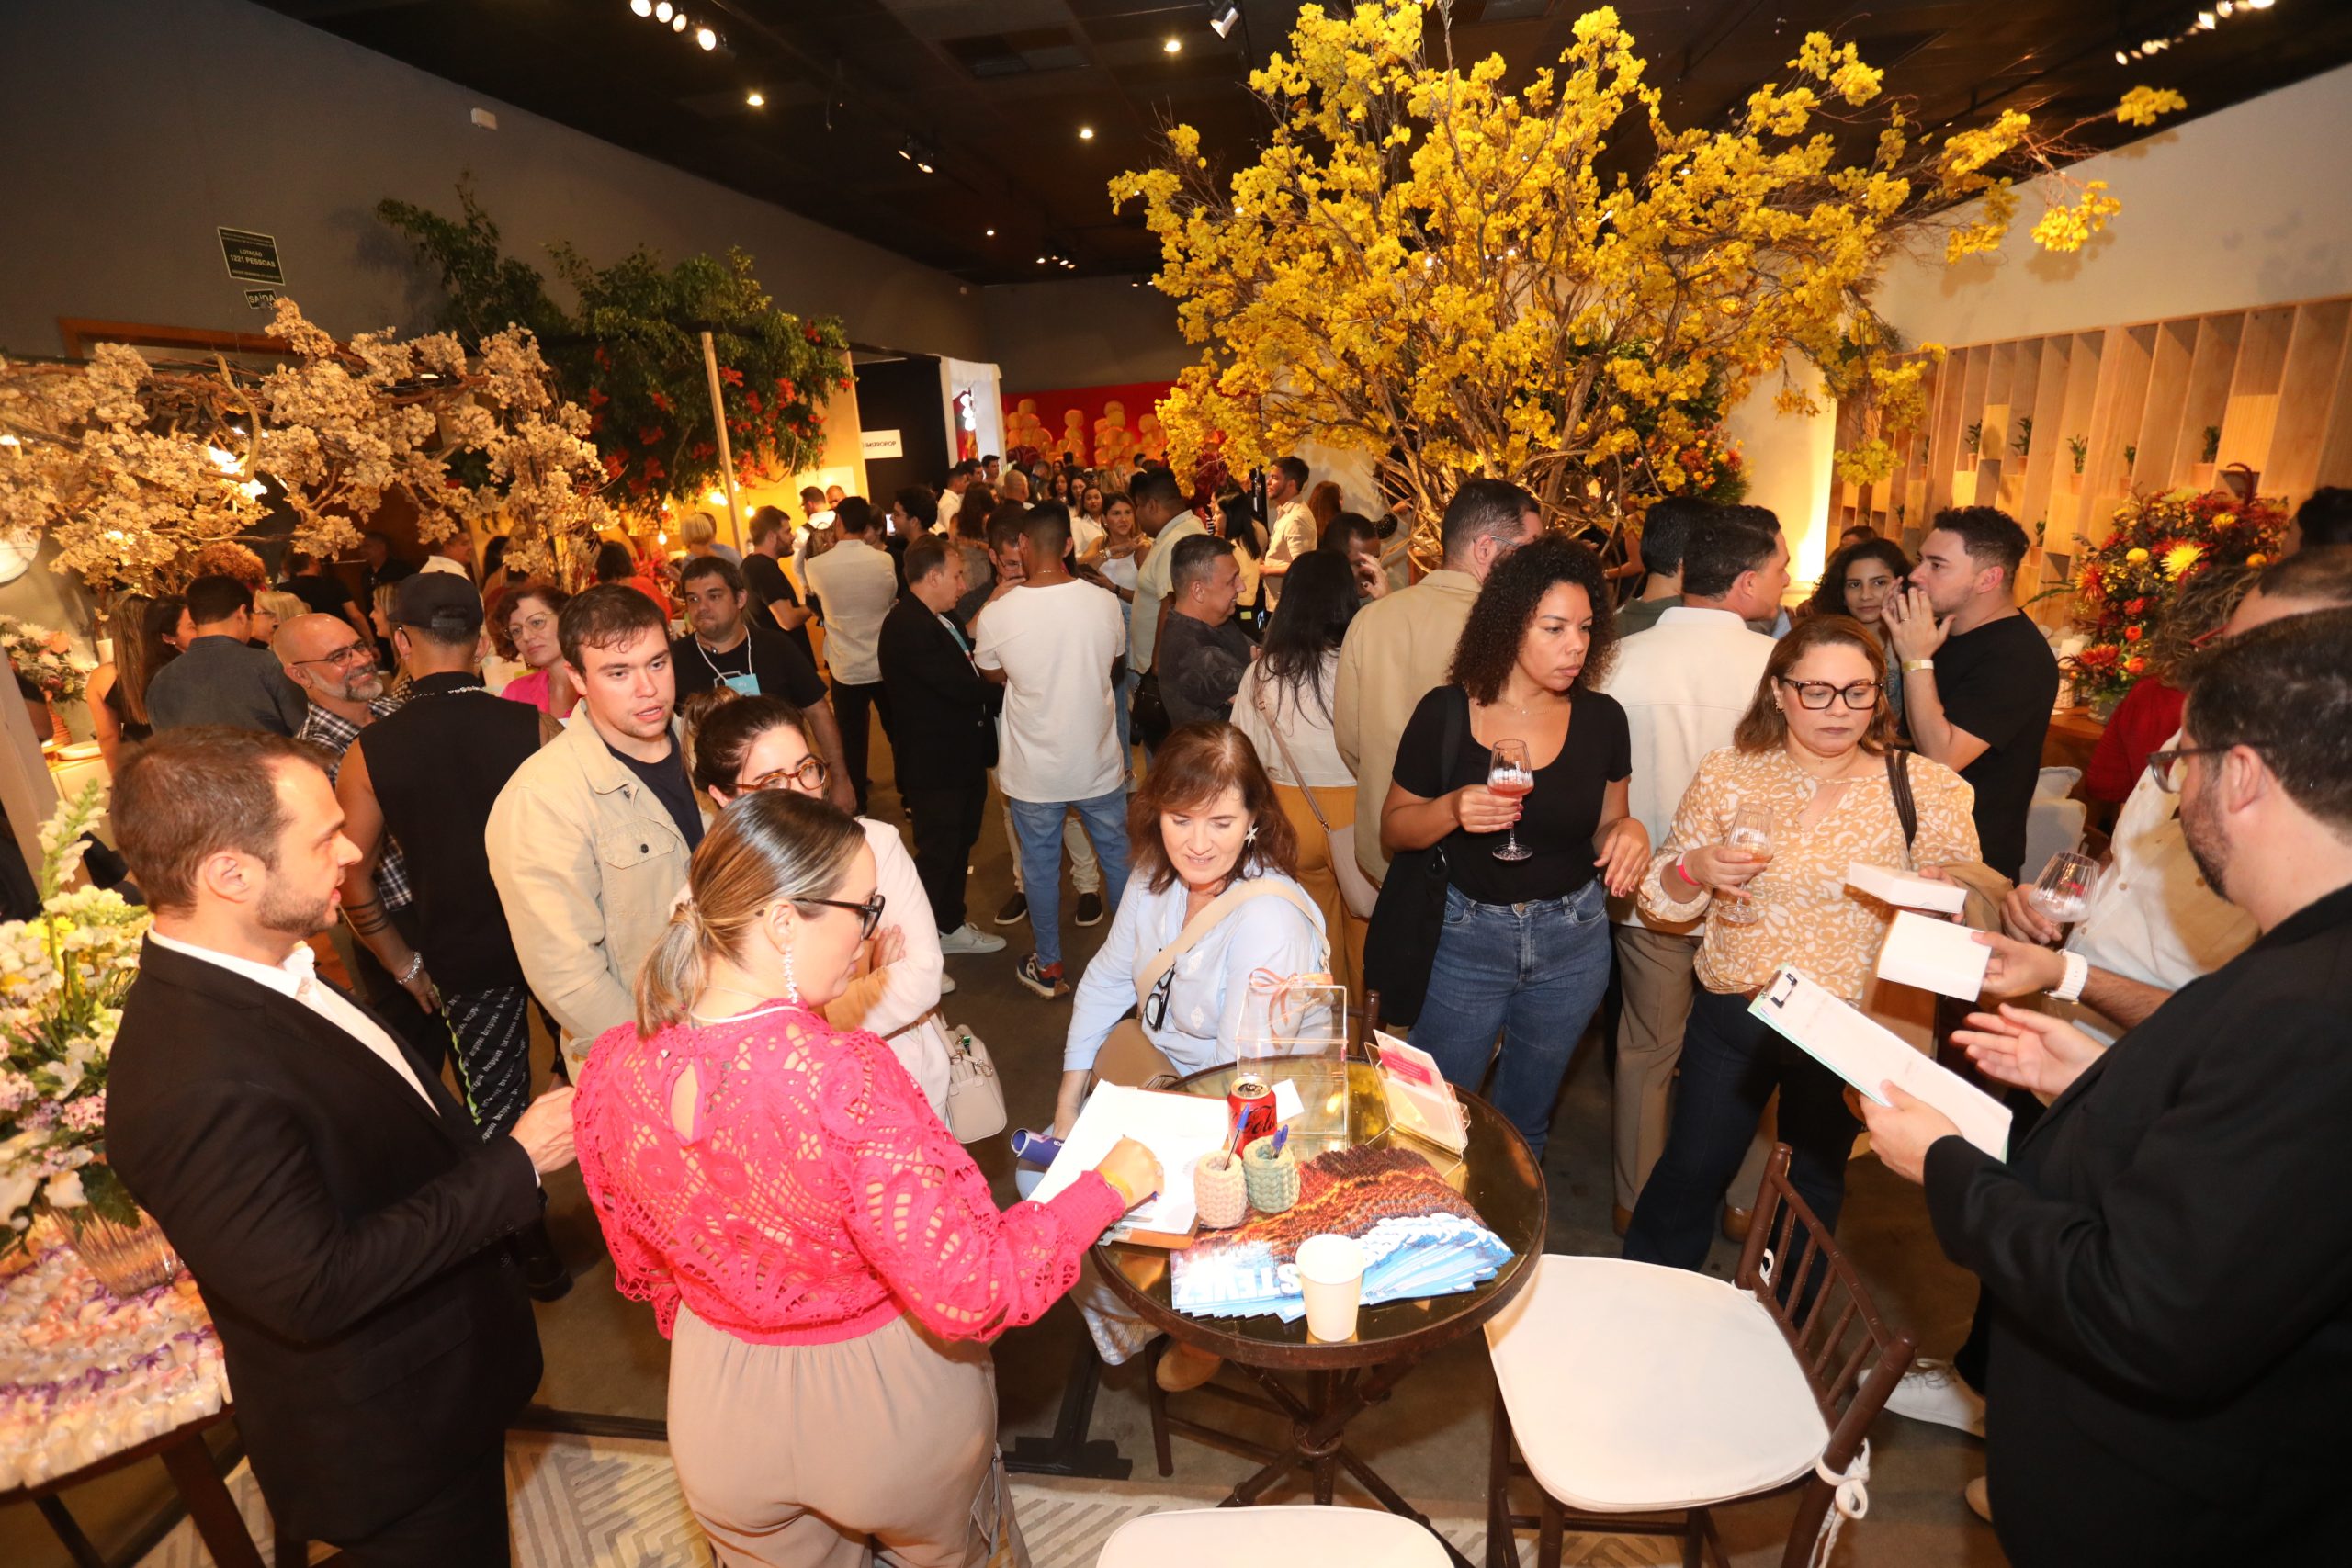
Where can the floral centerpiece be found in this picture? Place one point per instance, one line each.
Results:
(1706, 468)
(2127, 585)
(44, 657)
(62, 977)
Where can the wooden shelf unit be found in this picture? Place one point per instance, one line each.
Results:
(2275, 381)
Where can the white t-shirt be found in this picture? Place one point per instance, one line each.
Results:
(1058, 740)
(950, 502)
(1085, 532)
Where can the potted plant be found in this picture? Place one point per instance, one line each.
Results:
(2079, 449)
(2201, 475)
(63, 974)
(2023, 441)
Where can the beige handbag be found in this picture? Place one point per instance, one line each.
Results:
(975, 1095)
(1359, 892)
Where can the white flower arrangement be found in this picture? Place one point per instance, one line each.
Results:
(63, 976)
(43, 656)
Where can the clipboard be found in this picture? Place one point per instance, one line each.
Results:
(1866, 1055)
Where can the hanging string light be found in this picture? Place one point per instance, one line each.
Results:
(2203, 21)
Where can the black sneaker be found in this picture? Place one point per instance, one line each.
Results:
(1044, 979)
(1016, 910)
(1089, 908)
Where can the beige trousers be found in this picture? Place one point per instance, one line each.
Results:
(1654, 973)
(878, 1448)
(1315, 874)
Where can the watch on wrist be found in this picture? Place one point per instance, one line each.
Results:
(2069, 988)
(1913, 666)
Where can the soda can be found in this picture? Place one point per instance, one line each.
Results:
(1250, 1102)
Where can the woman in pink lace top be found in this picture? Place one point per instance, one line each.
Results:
(824, 1256)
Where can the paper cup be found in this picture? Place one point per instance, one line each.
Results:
(1330, 1275)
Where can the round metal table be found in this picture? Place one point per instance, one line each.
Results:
(1496, 1173)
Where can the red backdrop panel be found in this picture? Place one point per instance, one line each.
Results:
(1097, 425)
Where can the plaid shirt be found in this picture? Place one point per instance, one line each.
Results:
(333, 734)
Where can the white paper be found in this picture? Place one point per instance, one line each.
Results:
(1934, 955)
(1867, 1054)
(1177, 1128)
(1905, 890)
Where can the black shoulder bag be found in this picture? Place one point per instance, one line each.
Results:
(1409, 916)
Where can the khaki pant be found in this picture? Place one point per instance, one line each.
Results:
(1654, 973)
(833, 1456)
(1315, 874)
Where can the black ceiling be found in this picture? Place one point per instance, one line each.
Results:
(997, 90)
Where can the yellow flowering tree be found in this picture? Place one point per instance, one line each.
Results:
(1433, 265)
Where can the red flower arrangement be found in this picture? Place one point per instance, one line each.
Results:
(2126, 586)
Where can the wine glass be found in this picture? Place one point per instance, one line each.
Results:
(2062, 894)
(1751, 831)
(1508, 775)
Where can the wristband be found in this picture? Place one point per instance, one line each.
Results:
(1913, 666)
(1126, 1199)
(2069, 988)
(415, 962)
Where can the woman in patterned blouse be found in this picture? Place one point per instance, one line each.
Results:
(1813, 752)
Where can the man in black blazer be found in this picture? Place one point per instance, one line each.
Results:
(2167, 1254)
(949, 709)
(338, 1208)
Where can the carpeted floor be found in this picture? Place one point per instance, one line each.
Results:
(581, 1502)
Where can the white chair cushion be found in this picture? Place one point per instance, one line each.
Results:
(1638, 1389)
(1361, 1538)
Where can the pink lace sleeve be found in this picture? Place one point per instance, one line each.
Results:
(605, 1138)
(922, 1214)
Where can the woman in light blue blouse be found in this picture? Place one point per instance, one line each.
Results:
(1204, 827)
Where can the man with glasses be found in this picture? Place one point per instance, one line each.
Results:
(425, 777)
(2153, 925)
(1683, 684)
(334, 669)
(2166, 1256)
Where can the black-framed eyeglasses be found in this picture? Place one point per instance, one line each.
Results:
(809, 774)
(1861, 696)
(869, 913)
(349, 653)
(2164, 766)
(1154, 1010)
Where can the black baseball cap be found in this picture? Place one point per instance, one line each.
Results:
(440, 601)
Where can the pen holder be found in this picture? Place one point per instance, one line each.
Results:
(1219, 1191)
(1272, 1176)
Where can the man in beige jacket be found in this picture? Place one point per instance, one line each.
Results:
(589, 840)
(1400, 647)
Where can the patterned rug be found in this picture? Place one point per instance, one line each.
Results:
(614, 1503)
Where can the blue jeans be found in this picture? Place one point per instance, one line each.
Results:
(1530, 973)
(1038, 826)
(1732, 1061)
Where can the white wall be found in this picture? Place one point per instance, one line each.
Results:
(2246, 207)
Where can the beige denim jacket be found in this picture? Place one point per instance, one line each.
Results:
(588, 863)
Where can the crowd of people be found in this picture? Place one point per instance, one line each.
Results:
(1527, 793)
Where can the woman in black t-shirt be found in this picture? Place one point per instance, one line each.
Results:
(1523, 952)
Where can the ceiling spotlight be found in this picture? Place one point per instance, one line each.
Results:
(1224, 16)
(642, 8)
(992, 234)
(756, 98)
(2121, 57)
(1086, 133)
(707, 37)
(2256, 4)
(925, 167)
(1040, 261)
(678, 23)
(2205, 20)
(1174, 46)
(662, 12)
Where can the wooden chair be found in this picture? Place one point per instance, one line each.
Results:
(1361, 1537)
(1638, 1398)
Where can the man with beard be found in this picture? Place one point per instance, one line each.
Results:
(2168, 1268)
(342, 1218)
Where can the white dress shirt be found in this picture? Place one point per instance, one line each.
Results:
(296, 976)
(2153, 917)
(1683, 684)
(856, 585)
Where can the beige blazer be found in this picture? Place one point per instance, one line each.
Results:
(588, 863)
(1398, 649)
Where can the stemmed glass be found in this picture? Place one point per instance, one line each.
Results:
(2062, 894)
(1508, 775)
(1751, 831)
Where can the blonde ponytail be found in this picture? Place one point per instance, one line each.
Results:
(770, 847)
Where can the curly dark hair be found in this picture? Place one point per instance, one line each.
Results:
(1506, 607)
(1829, 599)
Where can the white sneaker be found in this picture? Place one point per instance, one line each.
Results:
(1932, 1392)
(947, 984)
(966, 938)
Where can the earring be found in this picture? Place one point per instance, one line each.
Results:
(1250, 837)
(791, 986)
